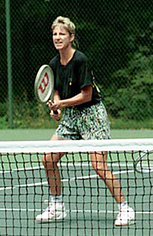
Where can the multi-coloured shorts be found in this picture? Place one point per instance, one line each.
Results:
(84, 123)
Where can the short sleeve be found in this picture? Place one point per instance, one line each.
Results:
(53, 64)
(84, 73)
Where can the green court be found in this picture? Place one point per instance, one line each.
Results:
(45, 134)
(90, 207)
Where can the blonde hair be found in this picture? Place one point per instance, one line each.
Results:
(67, 24)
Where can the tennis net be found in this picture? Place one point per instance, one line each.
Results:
(91, 210)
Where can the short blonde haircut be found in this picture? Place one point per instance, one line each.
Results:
(65, 22)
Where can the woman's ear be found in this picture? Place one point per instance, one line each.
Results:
(72, 38)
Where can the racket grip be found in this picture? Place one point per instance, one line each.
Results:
(55, 112)
(50, 102)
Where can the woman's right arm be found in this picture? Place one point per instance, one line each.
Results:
(56, 98)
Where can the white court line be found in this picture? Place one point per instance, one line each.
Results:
(69, 211)
(63, 164)
(73, 211)
(66, 164)
(63, 180)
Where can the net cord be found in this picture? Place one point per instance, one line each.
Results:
(76, 145)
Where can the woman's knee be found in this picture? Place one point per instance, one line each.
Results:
(48, 160)
(100, 168)
(51, 158)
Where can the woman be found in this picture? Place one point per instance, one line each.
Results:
(84, 117)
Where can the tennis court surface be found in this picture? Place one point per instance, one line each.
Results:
(91, 210)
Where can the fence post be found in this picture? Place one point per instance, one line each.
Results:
(9, 62)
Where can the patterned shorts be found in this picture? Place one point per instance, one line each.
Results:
(84, 123)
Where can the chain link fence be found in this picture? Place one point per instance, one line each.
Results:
(116, 36)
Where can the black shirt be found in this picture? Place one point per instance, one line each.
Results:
(71, 78)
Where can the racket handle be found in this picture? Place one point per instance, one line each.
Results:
(55, 112)
(50, 102)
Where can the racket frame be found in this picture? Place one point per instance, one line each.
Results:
(44, 72)
(138, 160)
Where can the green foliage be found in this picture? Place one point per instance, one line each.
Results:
(131, 96)
(3, 109)
(31, 114)
(3, 123)
(117, 37)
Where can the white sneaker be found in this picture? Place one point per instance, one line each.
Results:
(55, 211)
(125, 216)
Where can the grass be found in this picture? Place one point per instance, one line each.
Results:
(45, 122)
(131, 124)
(33, 115)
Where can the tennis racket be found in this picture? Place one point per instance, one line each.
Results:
(44, 85)
(144, 162)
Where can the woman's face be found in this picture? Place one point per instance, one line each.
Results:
(62, 39)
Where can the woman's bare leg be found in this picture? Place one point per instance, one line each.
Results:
(50, 161)
(99, 163)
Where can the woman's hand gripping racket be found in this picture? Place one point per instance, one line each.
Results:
(44, 85)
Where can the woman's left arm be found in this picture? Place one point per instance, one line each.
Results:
(84, 96)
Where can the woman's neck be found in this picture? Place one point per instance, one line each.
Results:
(66, 55)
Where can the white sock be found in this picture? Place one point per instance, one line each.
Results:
(56, 198)
(122, 204)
